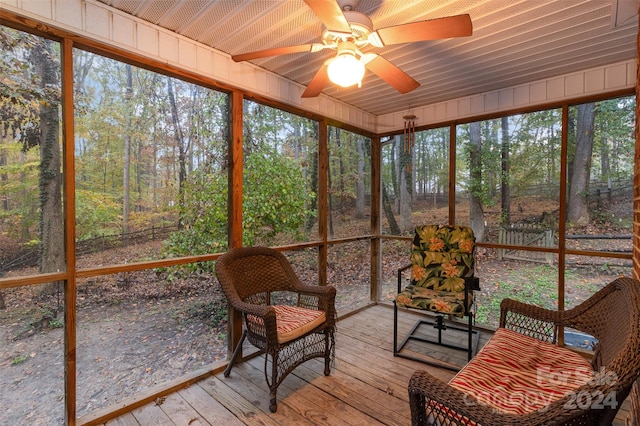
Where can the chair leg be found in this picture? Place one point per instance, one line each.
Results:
(470, 337)
(273, 385)
(439, 325)
(328, 337)
(395, 328)
(236, 352)
(273, 403)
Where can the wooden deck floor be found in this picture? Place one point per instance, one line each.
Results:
(367, 386)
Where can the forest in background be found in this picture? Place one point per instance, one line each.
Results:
(151, 152)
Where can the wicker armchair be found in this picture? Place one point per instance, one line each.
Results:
(612, 316)
(442, 282)
(287, 320)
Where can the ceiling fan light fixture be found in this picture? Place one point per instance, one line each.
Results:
(345, 69)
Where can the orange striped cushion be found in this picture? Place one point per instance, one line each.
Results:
(293, 321)
(518, 374)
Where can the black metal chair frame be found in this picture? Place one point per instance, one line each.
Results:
(440, 324)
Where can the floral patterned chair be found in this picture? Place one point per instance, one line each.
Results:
(442, 282)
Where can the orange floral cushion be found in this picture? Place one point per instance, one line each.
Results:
(444, 302)
(442, 255)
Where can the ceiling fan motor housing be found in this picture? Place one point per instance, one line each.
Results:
(361, 26)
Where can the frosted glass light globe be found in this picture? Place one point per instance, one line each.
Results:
(345, 70)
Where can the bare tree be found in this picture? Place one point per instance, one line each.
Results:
(505, 216)
(405, 186)
(388, 211)
(183, 147)
(52, 257)
(360, 179)
(476, 214)
(578, 202)
(126, 193)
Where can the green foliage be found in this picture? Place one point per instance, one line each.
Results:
(275, 198)
(149, 219)
(204, 216)
(274, 202)
(97, 214)
(536, 284)
(19, 359)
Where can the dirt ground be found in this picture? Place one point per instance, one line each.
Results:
(124, 346)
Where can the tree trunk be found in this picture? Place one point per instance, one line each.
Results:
(395, 166)
(605, 162)
(182, 150)
(126, 194)
(52, 257)
(341, 173)
(156, 177)
(330, 186)
(360, 180)
(4, 177)
(388, 212)
(476, 215)
(505, 216)
(140, 163)
(492, 144)
(406, 188)
(312, 220)
(578, 200)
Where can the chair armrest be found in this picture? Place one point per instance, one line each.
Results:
(325, 291)
(266, 329)
(400, 271)
(530, 320)
(252, 309)
(433, 401)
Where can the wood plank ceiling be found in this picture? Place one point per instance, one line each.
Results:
(513, 41)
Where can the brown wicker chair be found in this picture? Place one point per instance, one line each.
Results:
(287, 320)
(612, 316)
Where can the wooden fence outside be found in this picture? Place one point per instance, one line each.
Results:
(529, 235)
(31, 257)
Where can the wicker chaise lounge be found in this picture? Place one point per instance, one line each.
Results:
(521, 377)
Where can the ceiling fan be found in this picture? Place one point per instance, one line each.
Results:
(348, 31)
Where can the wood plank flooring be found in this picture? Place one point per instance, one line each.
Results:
(367, 386)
